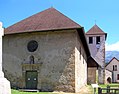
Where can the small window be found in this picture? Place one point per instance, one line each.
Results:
(90, 40)
(80, 53)
(83, 59)
(98, 40)
(114, 67)
(117, 76)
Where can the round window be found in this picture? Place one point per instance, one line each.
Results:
(32, 46)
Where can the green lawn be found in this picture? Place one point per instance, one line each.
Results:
(113, 84)
(88, 88)
(18, 92)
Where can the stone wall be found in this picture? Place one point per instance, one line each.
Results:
(93, 47)
(60, 60)
(80, 65)
(92, 75)
(55, 53)
(108, 76)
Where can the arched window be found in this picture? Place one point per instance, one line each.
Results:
(31, 58)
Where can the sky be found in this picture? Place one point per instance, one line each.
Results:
(87, 13)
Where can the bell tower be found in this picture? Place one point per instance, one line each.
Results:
(96, 41)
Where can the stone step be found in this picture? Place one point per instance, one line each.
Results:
(29, 90)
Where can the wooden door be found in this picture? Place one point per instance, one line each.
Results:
(31, 79)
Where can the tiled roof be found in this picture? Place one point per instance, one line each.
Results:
(95, 30)
(49, 19)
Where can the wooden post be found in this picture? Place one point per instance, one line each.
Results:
(99, 90)
(94, 86)
(108, 89)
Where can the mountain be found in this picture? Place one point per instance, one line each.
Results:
(110, 54)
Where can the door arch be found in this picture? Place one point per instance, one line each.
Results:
(109, 80)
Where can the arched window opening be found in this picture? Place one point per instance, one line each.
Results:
(31, 59)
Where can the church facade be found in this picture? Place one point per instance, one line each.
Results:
(47, 51)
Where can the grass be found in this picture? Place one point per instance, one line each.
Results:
(88, 89)
(18, 92)
(105, 85)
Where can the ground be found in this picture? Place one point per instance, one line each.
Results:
(84, 90)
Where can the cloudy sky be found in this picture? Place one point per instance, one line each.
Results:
(105, 13)
(112, 47)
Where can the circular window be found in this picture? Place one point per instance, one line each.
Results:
(32, 46)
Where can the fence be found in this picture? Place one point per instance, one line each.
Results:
(109, 90)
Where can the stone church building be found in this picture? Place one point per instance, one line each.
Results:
(46, 51)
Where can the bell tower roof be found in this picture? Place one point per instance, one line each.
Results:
(95, 30)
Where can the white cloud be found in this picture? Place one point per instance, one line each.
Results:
(112, 47)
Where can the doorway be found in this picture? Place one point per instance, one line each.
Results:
(31, 79)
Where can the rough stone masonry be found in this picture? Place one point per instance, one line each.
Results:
(4, 83)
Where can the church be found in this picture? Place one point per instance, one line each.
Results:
(47, 51)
